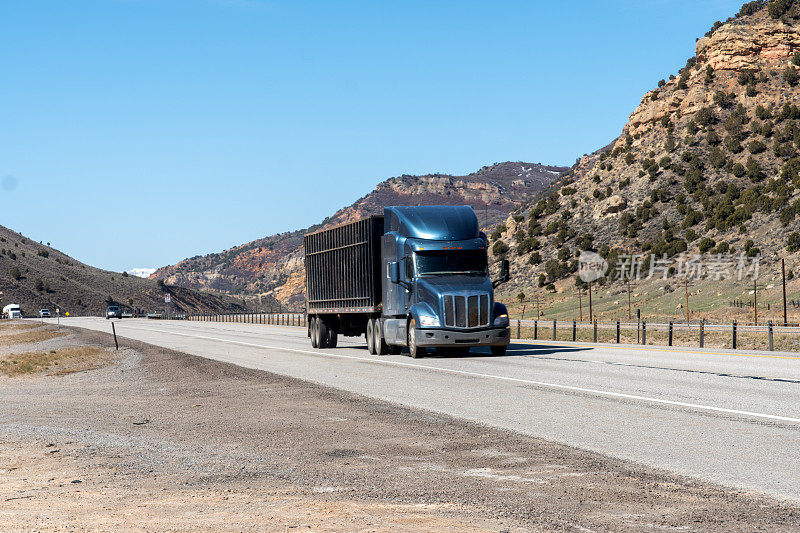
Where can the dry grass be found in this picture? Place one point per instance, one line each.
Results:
(11, 326)
(56, 362)
(32, 335)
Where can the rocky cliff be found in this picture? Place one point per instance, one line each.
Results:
(274, 265)
(708, 162)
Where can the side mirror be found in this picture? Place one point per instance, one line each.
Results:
(505, 270)
(505, 273)
(394, 272)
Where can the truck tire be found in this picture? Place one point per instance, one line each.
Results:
(413, 350)
(313, 326)
(381, 348)
(322, 334)
(499, 350)
(371, 336)
(333, 337)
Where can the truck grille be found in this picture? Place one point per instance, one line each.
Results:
(466, 311)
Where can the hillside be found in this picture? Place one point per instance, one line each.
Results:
(37, 276)
(707, 163)
(274, 265)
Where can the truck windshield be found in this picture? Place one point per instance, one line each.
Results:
(471, 262)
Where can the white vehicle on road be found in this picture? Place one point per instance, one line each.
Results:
(12, 311)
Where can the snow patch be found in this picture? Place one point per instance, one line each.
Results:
(141, 272)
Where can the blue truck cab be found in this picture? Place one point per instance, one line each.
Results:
(416, 277)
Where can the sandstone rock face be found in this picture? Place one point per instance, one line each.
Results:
(675, 177)
(748, 44)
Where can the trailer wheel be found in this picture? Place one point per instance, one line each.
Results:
(413, 350)
(333, 337)
(371, 336)
(381, 348)
(322, 334)
(313, 327)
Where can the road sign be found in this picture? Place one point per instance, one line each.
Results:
(167, 298)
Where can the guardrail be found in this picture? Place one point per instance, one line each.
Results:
(663, 333)
(274, 319)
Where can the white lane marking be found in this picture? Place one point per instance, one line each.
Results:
(559, 386)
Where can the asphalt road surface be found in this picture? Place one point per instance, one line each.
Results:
(729, 418)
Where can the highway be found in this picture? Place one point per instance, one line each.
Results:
(729, 418)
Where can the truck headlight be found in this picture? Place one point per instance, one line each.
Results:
(428, 321)
(501, 321)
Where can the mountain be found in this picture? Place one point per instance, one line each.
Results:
(707, 163)
(141, 272)
(274, 265)
(38, 276)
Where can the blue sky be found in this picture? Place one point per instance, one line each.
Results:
(136, 133)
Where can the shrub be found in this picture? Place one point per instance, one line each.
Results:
(750, 8)
(43, 253)
(709, 74)
(691, 127)
(793, 242)
(16, 274)
(499, 249)
(705, 116)
(756, 147)
(790, 75)
(542, 280)
(661, 83)
(39, 285)
(706, 244)
(717, 157)
(778, 8)
(796, 59)
(732, 144)
(762, 112)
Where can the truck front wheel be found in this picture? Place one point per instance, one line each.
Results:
(381, 348)
(371, 336)
(499, 350)
(322, 334)
(413, 350)
(313, 327)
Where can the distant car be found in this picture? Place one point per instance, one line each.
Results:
(113, 311)
(44, 313)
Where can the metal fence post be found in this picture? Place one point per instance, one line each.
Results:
(670, 333)
(618, 331)
(554, 329)
(734, 334)
(771, 343)
(574, 330)
(595, 330)
(518, 326)
(702, 332)
(644, 332)
(535, 330)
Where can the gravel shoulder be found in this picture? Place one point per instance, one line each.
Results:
(159, 440)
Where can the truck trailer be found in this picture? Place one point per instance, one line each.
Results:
(415, 277)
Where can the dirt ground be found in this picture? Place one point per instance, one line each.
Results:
(150, 439)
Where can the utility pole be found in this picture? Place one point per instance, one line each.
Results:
(523, 312)
(590, 302)
(783, 273)
(686, 290)
(580, 302)
(755, 302)
(629, 298)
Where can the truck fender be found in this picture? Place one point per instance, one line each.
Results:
(499, 309)
(422, 308)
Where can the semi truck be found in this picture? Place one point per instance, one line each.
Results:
(415, 277)
(12, 311)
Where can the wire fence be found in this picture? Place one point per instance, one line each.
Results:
(273, 319)
(768, 336)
